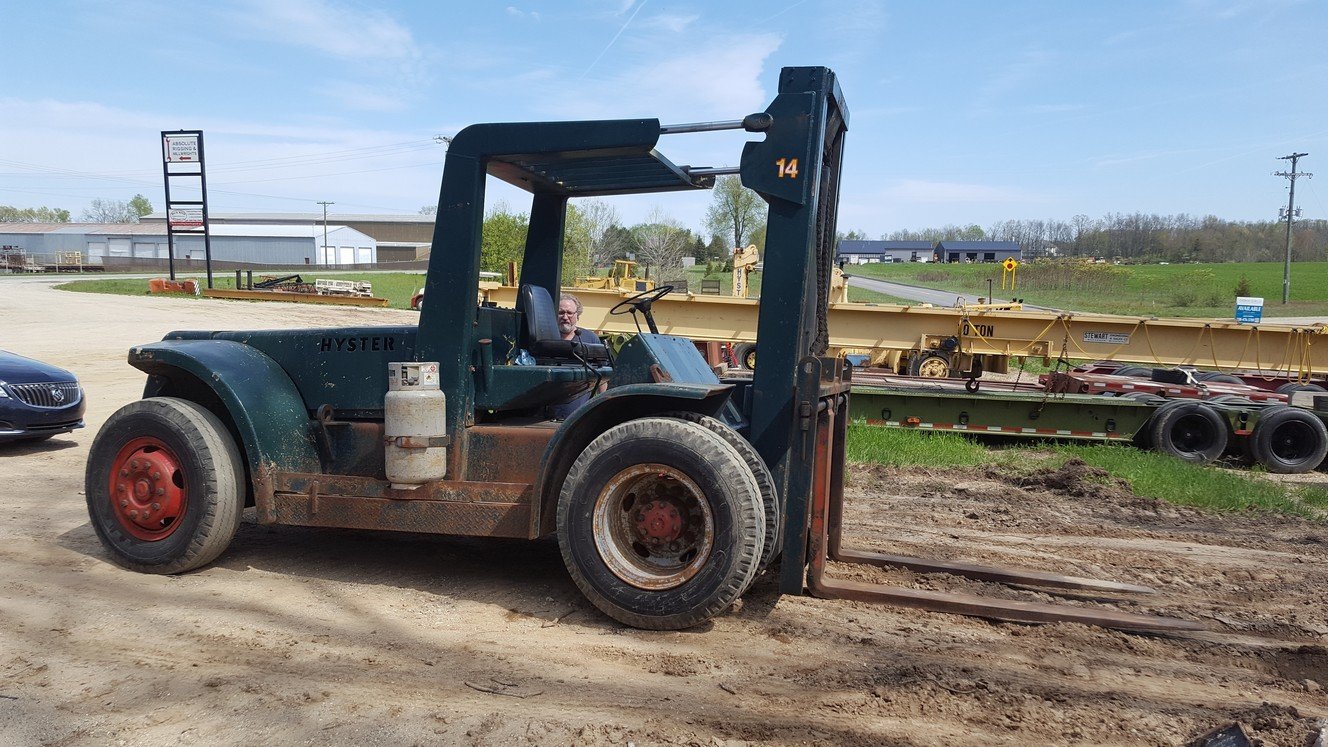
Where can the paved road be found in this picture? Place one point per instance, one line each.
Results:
(914, 292)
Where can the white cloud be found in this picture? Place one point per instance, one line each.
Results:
(522, 15)
(1013, 75)
(725, 80)
(667, 22)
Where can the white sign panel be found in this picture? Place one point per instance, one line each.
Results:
(185, 217)
(181, 148)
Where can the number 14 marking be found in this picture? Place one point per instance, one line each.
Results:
(788, 167)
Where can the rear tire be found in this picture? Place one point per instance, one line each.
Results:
(164, 486)
(660, 523)
(1216, 377)
(1190, 431)
(745, 353)
(929, 366)
(1292, 387)
(1288, 440)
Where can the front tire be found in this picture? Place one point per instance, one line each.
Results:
(164, 486)
(660, 524)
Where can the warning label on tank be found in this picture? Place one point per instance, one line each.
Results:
(1106, 338)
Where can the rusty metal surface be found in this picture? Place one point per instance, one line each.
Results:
(987, 572)
(446, 491)
(506, 453)
(479, 519)
(996, 609)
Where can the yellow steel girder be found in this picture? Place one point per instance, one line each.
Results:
(1295, 350)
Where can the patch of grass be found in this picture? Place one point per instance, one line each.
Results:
(900, 448)
(1183, 290)
(396, 287)
(1150, 474)
(1154, 475)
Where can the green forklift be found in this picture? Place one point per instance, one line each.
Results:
(669, 491)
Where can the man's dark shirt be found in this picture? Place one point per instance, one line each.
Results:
(563, 411)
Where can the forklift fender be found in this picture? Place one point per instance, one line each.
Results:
(615, 406)
(260, 402)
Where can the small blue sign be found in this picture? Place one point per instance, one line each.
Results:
(1249, 309)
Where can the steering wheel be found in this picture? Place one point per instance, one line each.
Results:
(642, 302)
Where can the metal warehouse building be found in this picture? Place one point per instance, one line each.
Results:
(251, 244)
(855, 252)
(399, 238)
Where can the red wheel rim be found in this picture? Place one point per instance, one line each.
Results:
(148, 491)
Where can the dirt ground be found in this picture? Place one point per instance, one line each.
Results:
(298, 636)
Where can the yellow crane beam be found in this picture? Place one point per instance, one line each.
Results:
(1294, 350)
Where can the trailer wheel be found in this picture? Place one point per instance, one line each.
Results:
(1191, 431)
(1288, 440)
(930, 366)
(1292, 387)
(745, 352)
(164, 486)
(774, 519)
(660, 523)
(1217, 377)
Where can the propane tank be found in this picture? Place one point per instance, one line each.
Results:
(414, 425)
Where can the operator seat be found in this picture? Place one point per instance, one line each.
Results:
(541, 329)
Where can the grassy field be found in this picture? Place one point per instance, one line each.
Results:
(1193, 290)
(1150, 474)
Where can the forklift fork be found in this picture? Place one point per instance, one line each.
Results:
(825, 528)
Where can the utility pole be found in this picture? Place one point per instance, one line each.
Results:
(325, 204)
(1290, 216)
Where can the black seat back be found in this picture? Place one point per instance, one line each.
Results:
(543, 339)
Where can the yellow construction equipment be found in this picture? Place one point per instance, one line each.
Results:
(937, 341)
(744, 263)
(622, 277)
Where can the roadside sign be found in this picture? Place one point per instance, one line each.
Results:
(1010, 264)
(1249, 309)
(185, 217)
(181, 148)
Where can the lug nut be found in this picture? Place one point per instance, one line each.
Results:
(124, 472)
(161, 491)
(156, 507)
(133, 512)
(123, 503)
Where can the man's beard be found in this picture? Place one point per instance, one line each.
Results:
(566, 327)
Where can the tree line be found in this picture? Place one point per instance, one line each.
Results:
(98, 211)
(1143, 236)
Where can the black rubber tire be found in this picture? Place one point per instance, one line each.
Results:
(1190, 431)
(1134, 371)
(738, 522)
(916, 364)
(1217, 377)
(1292, 387)
(1143, 438)
(1288, 440)
(745, 354)
(765, 482)
(212, 474)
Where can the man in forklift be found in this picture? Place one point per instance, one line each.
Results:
(569, 314)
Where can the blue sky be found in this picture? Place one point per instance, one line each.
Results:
(961, 112)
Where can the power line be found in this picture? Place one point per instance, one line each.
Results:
(1290, 217)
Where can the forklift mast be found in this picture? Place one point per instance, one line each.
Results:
(796, 169)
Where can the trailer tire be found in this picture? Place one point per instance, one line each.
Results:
(745, 353)
(765, 482)
(1217, 377)
(1292, 387)
(685, 555)
(1288, 440)
(164, 486)
(1134, 371)
(1190, 431)
(1143, 438)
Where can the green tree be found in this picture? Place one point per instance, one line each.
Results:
(114, 211)
(10, 214)
(140, 205)
(503, 239)
(735, 211)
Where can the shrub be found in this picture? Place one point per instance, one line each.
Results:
(1243, 286)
